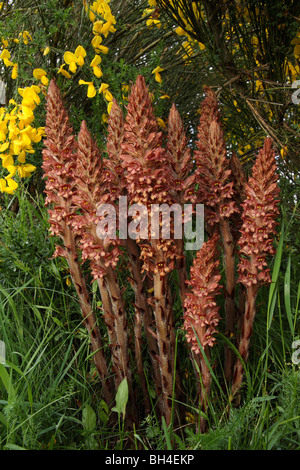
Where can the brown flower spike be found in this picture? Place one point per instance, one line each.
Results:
(216, 192)
(201, 313)
(58, 165)
(149, 181)
(260, 211)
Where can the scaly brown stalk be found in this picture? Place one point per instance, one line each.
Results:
(201, 315)
(58, 164)
(141, 307)
(184, 181)
(93, 182)
(216, 192)
(260, 211)
(149, 180)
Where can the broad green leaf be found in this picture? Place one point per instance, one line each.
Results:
(121, 397)
(6, 379)
(89, 418)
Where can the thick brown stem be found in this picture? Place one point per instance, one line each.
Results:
(122, 347)
(230, 317)
(143, 318)
(166, 348)
(244, 344)
(88, 315)
(205, 389)
(107, 310)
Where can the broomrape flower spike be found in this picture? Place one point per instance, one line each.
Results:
(260, 211)
(200, 309)
(259, 219)
(93, 187)
(201, 315)
(216, 191)
(59, 161)
(149, 181)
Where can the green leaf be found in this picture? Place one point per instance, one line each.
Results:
(89, 418)
(13, 447)
(121, 397)
(167, 435)
(273, 286)
(287, 295)
(103, 412)
(6, 379)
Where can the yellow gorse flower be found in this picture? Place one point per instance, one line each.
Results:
(95, 65)
(8, 186)
(157, 75)
(64, 72)
(25, 35)
(91, 91)
(5, 56)
(17, 136)
(74, 59)
(96, 43)
(17, 132)
(41, 75)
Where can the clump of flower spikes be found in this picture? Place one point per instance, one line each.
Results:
(201, 315)
(259, 218)
(17, 136)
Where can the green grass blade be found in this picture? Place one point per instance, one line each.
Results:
(273, 286)
(287, 295)
(6, 380)
(166, 434)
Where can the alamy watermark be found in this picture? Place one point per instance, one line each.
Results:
(296, 353)
(155, 221)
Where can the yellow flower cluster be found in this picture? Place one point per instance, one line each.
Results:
(6, 56)
(103, 21)
(153, 19)
(17, 132)
(190, 45)
(17, 135)
(292, 70)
